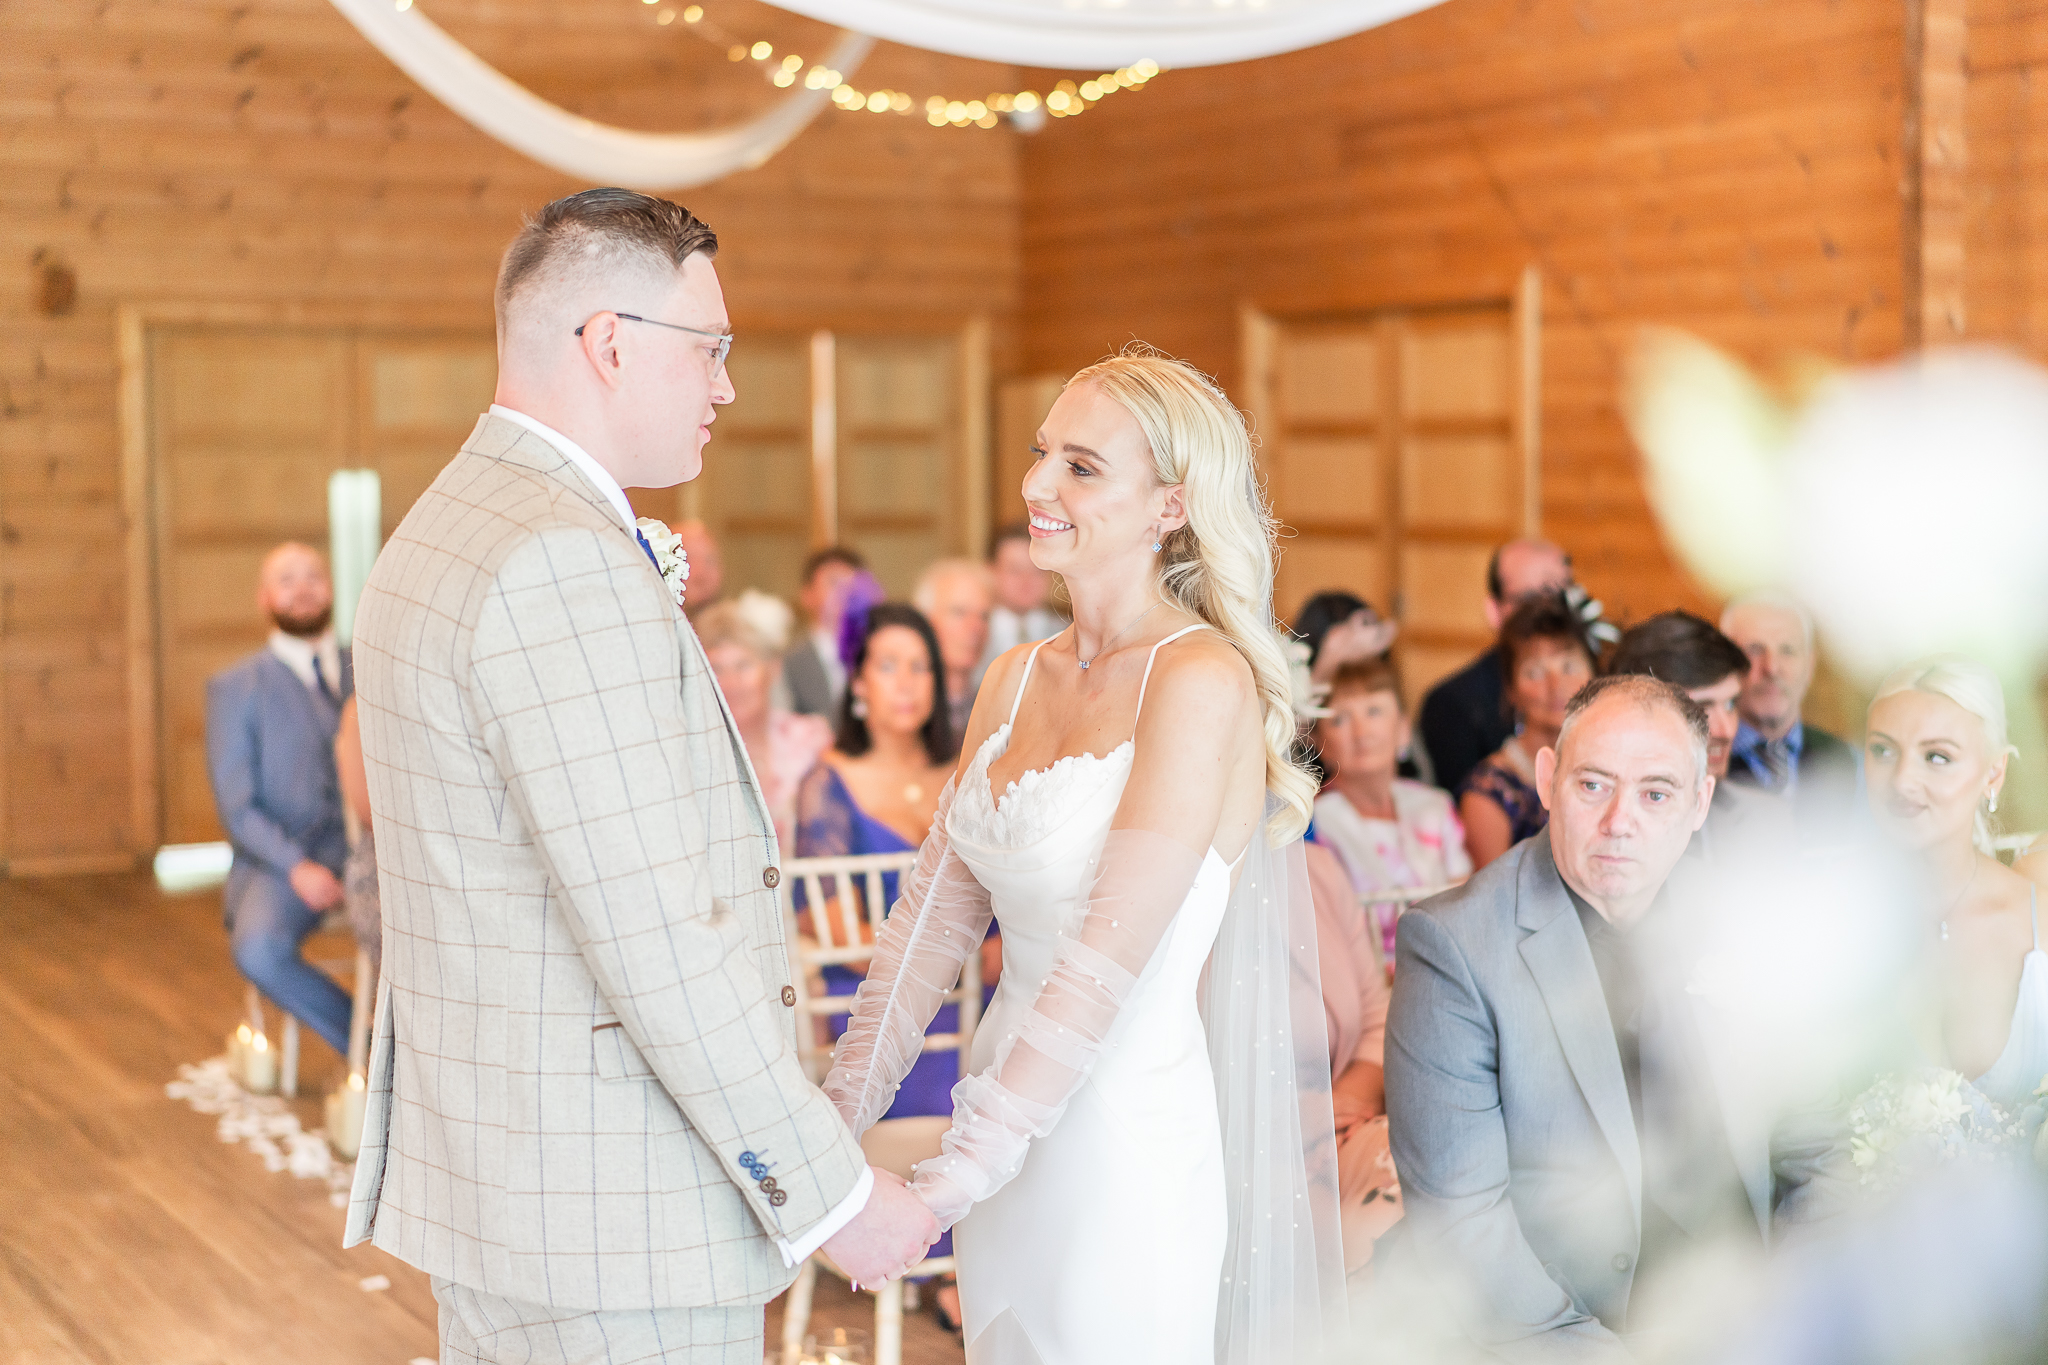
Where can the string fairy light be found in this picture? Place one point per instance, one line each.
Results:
(1065, 100)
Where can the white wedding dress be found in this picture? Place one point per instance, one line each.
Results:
(1108, 1245)
(1141, 1165)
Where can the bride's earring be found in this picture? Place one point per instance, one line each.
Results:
(1155, 540)
(859, 708)
(1993, 800)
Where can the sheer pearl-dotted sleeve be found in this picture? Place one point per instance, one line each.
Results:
(1139, 883)
(939, 918)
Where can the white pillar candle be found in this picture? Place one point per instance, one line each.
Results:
(345, 1117)
(259, 1067)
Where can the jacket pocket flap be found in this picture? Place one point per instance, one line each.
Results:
(614, 1057)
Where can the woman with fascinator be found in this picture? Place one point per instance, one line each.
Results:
(1142, 1165)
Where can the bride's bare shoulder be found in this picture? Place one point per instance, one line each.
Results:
(1200, 680)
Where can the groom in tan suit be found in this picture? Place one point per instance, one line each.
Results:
(586, 1116)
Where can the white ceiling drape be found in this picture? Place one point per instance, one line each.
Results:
(1104, 35)
(577, 146)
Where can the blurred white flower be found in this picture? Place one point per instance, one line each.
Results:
(668, 555)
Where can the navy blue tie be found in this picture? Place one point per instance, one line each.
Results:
(640, 536)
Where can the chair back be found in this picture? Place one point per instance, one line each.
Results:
(843, 896)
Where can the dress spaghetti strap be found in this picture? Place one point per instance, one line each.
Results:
(1146, 681)
(1018, 700)
(2034, 914)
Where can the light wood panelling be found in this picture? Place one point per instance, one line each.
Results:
(262, 158)
(1729, 166)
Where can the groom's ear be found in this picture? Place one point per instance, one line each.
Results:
(599, 339)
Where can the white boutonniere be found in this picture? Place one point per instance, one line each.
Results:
(668, 555)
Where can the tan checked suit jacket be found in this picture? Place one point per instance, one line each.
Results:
(584, 1088)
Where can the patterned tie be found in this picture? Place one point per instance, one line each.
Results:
(320, 680)
(1776, 755)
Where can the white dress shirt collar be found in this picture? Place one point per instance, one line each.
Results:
(598, 475)
(298, 654)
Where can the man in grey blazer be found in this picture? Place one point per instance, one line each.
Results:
(1567, 1120)
(270, 723)
(586, 1115)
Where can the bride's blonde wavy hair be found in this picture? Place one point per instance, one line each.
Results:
(1218, 567)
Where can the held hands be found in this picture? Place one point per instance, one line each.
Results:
(316, 886)
(887, 1237)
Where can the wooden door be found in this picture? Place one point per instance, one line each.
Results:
(245, 426)
(900, 453)
(756, 489)
(1399, 450)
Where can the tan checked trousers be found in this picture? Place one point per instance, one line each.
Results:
(486, 1329)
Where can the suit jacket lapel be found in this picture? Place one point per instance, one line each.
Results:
(1562, 964)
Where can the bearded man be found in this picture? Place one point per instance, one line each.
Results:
(270, 724)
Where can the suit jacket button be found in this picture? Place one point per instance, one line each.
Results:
(1620, 1261)
(768, 1185)
(772, 878)
(789, 996)
(779, 1198)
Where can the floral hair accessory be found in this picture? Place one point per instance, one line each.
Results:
(668, 554)
(767, 617)
(863, 593)
(1591, 615)
(1307, 697)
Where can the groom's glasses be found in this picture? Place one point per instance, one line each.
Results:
(718, 352)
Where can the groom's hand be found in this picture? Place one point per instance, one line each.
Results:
(885, 1238)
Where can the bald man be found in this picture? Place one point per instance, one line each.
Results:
(956, 596)
(1775, 750)
(587, 1117)
(270, 725)
(1464, 718)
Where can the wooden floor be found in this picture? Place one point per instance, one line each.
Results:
(128, 1234)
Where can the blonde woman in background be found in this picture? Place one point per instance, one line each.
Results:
(1126, 802)
(1935, 760)
(746, 639)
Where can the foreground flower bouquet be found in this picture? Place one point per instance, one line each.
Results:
(1908, 1125)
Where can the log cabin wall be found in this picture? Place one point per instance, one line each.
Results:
(260, 159)
(1728, 166)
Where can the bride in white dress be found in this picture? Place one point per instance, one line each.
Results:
(1935, 758)
(1140, 1167)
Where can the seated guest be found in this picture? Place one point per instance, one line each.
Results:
(812, 669)
(745, 639)
(1355, 1018)
(1546, 655)
(1463, 719)
(707, 565)
(1389, 833)
(877, 791)
(1341, 629)
(1775, 749)
(270, 726)
(1023, 611)
(956, 596)
(1680, 648)
(359, 873)
(1558, 1115)
(1935, 753)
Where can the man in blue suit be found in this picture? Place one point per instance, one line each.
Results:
(270, 723)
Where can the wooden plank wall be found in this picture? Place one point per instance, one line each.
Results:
(260, 155)
(1728, 166)
(2005, 210)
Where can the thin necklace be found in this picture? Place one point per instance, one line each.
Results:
(1112, 639)
(1975, 863)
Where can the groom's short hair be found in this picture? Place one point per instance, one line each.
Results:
(602, 227)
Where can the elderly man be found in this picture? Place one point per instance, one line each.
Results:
(1683, 649)
(1775, 749)
(956, 596)
(270, 726)
(1566, 1128)
(1023, 611)
(1463, 718)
